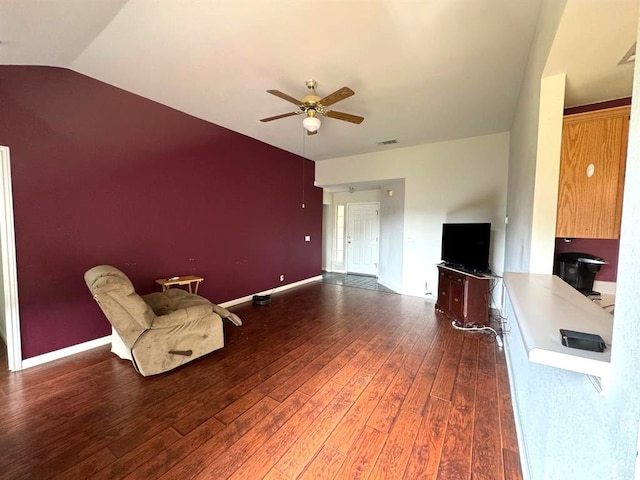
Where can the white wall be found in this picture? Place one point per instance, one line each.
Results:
(461, 180)
(328, 226)
(625, 352)
(524, 143)
(545, 195)
(392, 197)
(327, 229)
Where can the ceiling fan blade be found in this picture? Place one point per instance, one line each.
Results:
(311, 133)
(336, 96)
(284, 96)
(284, 115)
(347, 117)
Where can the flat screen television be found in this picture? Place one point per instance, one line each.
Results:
(466, 245)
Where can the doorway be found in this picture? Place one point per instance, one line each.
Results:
(356, 281)
(363, 228)
(389, 200)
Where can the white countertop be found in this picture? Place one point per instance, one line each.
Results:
(543, 304)
(608, 293)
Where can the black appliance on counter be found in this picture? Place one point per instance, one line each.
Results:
(579, 270)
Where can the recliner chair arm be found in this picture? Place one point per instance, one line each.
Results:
(182, 316)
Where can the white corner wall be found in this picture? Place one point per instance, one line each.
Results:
(392, 196)
(463, 180)
(327, 237)
(524, 143)
(545, 195)
(625, 350)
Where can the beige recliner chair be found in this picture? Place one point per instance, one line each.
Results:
(161, 330)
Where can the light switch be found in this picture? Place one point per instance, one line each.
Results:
(307, 238)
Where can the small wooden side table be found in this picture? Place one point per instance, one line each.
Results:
(193, 282)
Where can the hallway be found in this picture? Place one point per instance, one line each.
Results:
(358, 281)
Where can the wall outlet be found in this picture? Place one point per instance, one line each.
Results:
(307, 238)
(282, 278)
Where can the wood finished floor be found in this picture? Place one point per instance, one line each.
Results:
(327, 382)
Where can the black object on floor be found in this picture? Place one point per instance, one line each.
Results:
(261, 299)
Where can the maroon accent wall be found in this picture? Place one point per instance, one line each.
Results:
(605, 249)
(618, 102)
(101, 175)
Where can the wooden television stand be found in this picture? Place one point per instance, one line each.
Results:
(463, 297)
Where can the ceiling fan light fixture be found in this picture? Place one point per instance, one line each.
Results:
(311, 123)
(312, 105)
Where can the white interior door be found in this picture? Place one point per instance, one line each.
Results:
(363, 225)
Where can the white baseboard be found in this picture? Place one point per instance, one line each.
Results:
(281, 288)
(65, 352)
(99, 342)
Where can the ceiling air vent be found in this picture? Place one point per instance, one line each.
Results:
(388, 142)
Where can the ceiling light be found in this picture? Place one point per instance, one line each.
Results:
(311, 123)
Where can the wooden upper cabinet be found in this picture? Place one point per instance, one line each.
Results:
(592, 165)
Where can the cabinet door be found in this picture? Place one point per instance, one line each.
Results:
(457, 300)
(477, 301)
(592, 165)
(444, 290)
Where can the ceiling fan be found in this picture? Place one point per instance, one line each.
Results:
(312, 105)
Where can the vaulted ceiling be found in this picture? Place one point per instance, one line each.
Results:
(422, 71)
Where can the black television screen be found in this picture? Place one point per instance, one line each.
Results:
(466, 245)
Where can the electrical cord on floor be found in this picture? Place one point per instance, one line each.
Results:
(476, 328)
(492, 287)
